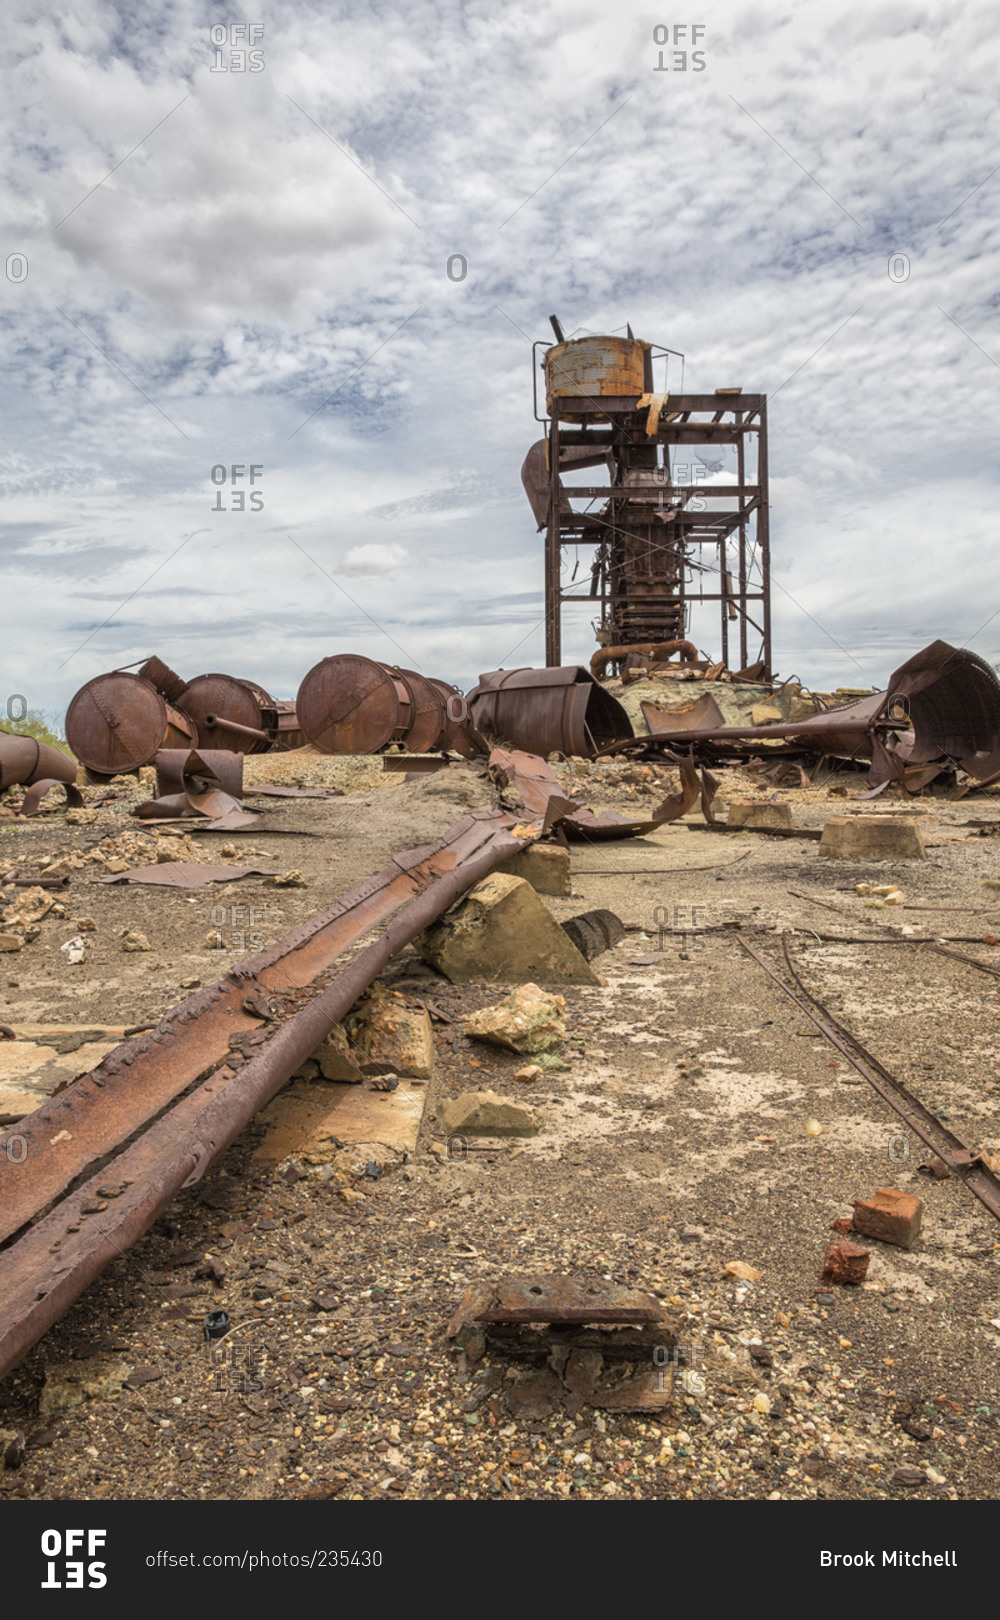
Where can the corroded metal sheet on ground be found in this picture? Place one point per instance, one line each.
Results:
(533, 780)
(570, 1301)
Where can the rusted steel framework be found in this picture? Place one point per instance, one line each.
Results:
(655, 524)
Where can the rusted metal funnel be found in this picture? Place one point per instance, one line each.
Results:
(545, 711)
(118, 722)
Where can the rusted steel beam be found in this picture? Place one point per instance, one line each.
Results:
(52, 1263)
(961, 1160)
(143, 1075)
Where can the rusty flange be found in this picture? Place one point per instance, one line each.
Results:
(118, 722)
(428, 719)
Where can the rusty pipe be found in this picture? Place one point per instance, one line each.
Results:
(177, 1150)
(26, 760)
(212, 720)
(660, 651)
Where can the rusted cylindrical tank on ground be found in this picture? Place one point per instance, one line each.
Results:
(589, 367)
(348, 704)
(230, 714)
(118, 722)
(546, 711)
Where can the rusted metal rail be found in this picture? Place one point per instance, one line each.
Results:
(60, 1154)
(969, 1167)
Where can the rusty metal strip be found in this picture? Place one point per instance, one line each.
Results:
(961, 1161)
(141, 1076)
(532, 779)
(51, 1264)
(959, 956)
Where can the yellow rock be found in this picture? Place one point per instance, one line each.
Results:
(739, 1268)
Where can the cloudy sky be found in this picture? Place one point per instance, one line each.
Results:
(214, 260)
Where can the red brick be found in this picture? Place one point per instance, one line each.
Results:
(843, 1225)
(845, 1263)
(890, 1216)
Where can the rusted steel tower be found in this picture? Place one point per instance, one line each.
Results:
(665, 533)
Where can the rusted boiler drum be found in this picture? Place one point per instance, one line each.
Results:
(349, 704)
(546, 711)
(118, 722)
(230, 714)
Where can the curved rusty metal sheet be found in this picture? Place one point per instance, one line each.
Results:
(168, 683)
(545, 711)
(189, 782)
(703, 714)
(37, 766)
(952, 698)
(535, 784)
(119, 722)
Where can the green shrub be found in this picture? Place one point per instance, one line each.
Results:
(41, 725)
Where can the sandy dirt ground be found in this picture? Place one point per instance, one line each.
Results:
(675, 1143)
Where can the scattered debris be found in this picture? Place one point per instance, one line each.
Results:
(502, 931)
(483, 1113)
(890, 1216)
(530, 1020)
(382, 1029)
(595, 932)
(845, 1263)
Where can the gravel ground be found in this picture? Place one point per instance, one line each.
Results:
(675, 1144)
